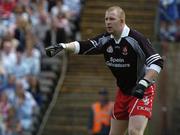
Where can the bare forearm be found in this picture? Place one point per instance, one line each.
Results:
(152, 72)
(151, 75)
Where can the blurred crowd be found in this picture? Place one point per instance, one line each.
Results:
(169, 15)
(26, 27)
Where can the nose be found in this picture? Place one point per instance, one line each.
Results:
(107, 21)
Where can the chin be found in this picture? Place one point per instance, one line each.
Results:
(110, 32)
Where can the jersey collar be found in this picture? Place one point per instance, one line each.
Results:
(124, 33)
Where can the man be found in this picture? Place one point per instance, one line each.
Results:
(100, 115)
(133, 62)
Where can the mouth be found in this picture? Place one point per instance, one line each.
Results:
(109, 28)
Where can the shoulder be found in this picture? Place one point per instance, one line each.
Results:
(100, 40)
(102, 35)
(137, 37)
(136, 34)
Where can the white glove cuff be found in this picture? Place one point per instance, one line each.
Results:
(63, 45)
(144, 83)
(77, 47)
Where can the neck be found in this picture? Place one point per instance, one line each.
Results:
(118, 33)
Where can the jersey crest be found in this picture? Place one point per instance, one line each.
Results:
(109, 49)
(125, 50)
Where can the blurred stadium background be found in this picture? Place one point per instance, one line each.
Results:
(44, 96)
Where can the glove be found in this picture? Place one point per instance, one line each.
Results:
(140, 88)
(54, 49)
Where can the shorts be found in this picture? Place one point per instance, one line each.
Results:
(126, 105)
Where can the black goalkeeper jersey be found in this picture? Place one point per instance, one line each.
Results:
(128, 59)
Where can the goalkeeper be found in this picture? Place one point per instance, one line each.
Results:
(134, 63)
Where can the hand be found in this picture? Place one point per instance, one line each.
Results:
(54, 49)
(140, 88)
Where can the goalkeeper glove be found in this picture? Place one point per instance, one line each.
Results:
(54, 49)
(140, 88)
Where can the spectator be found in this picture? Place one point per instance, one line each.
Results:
(55, 34)
(25, 106)
(20, 31)
(3, 78)
(19, 69)
(34, 89)
(42, 26)
(4, 105)
(4, 108)
(6, 8)
(8, 55)
(59, 12)
(2, 31)
(10, 87)
(74, 8)
(168, 10)
(58, 7)
(100, 115)
(168, 31)
(12, 123)
(168, 16)
(51, 4)
(32, 56)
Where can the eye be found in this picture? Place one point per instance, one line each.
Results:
(112, 18)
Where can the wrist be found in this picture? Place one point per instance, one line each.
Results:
(63, 45)
(72, 46)
(144, 82)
